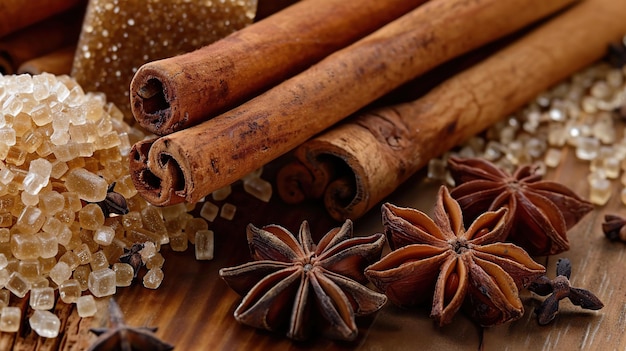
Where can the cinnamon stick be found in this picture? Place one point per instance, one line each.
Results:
(181, 91)
(19, 14)
(189, 164)
(58, 62)
(40, 39)
(380, 149)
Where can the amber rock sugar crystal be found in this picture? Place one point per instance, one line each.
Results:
(61, 149)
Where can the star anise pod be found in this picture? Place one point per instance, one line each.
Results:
(294, 282)
(437, 259)
(540, 211)
(125, 338)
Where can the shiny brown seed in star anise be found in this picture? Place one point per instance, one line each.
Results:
(540, 211)
(294, 283)
(437, 260)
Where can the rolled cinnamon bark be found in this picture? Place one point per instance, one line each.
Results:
(181, 91)
(40, 39)
(19, 14)
(380, 149)
(189, 164)
(58, 62)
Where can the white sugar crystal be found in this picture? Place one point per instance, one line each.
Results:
(7, 136)
(221, 193)
(69, 291)
(209, 211)
(104, 235)
(45, 323)
(102, 282)
(42, 298)
(153, 278)
(86, 306)
(204, 244)
(10, 319)
(60, 272)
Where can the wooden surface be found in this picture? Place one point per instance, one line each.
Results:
(193, 307)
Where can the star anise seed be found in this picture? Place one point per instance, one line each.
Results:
(540, 211)
(294, 282)
(437, 259)
(558, 289)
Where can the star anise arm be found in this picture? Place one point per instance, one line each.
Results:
(513, 260)
(572, 207)
(493, 294)
(447, 215)
(350, 257)
(405, 226)
(270, 301)
(450, 290)
(244, 277)
(408, 275)
(274, 243)
(363, 300)
(488, 227)
(536, 214)
(299, 320)
(334, 237)
(467, 169)
(334, 307)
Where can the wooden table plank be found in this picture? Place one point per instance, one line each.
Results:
(193, 307)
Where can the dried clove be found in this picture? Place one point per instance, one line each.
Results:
(132, 256)
(558, 289)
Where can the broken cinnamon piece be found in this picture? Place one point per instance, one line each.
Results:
(189, 164)
(182, 91)
(58, 62)
(40, 39)
(380, 149)
(19, 14)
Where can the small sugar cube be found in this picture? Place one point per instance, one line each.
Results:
(70, 291)
(204, 244)
(86, 306)
(42, 298)
(10, 319)
(153, 278)
(124, 274)
(102, 282)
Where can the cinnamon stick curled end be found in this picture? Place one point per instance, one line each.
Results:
(151, 99)
(161, 182)
(330, 172)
